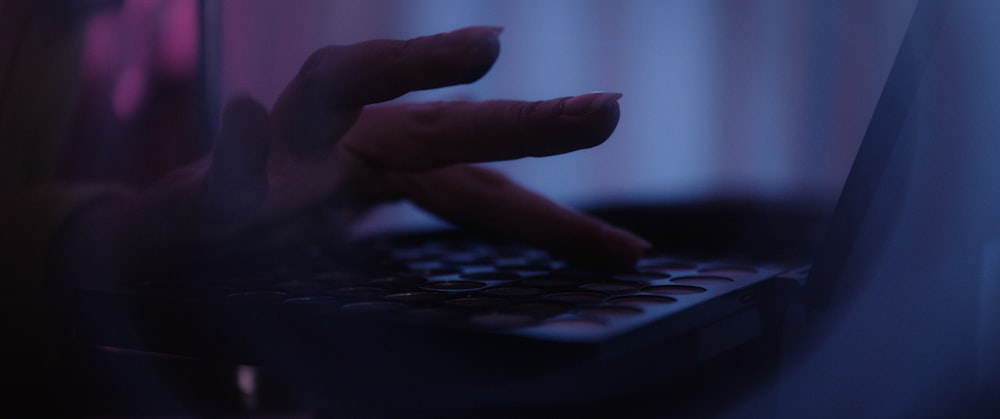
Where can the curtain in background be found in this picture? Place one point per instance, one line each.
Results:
(764, 97)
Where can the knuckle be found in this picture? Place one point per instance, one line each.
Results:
(525, 111)
(323, 66)
(427, 119)
(424, 126)
(316, 60)
(401, 49)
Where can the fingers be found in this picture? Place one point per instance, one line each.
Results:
(479, 198)
(379, 70)
(236, 182)
(423, 136)
(321, 102)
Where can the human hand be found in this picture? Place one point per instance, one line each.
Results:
(325, 154)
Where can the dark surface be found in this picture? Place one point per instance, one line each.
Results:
(117, 382)
(785, 231)
(351, 381)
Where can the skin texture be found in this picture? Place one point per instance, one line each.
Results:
(329, 149)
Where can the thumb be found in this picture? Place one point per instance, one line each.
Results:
(236, 181)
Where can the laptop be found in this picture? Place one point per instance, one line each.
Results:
(456, 322)
(907, 283)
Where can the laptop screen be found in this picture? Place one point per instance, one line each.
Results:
(912, 277)
(871, 193)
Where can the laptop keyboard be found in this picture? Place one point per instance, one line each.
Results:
(470, 284)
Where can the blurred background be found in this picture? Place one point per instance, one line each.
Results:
(763, 98)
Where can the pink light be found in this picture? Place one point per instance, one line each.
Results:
(129, 92)
(100, 46)
(177, 51)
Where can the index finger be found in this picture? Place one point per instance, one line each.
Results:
(412, 137)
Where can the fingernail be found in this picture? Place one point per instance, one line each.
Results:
(589, 103)
(471, 35)
(624, 246)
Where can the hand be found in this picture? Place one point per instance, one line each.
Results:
(325, 154)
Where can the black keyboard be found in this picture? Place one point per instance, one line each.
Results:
(467, 284)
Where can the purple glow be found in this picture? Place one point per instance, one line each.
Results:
(100, 43)
(128, 48)
(130, 90)
(177, 51)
